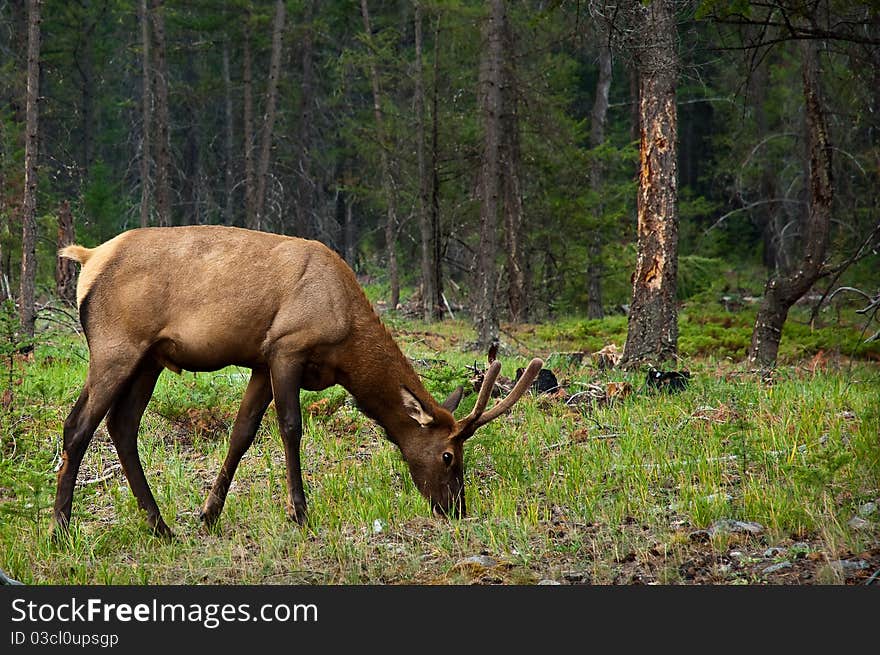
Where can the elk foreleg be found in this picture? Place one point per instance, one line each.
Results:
(256, 399)
(286, 376)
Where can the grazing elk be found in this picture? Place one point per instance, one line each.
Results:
(204, 297)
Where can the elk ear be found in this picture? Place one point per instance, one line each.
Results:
(451, 403)
(414, 409)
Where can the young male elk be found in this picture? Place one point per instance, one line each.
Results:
(201, 298)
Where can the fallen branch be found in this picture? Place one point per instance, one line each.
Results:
(108, 473)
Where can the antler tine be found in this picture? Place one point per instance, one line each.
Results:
(485, 392)
(524, 382)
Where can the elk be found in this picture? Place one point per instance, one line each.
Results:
(204, 297)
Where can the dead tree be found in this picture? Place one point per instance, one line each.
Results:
(652, 333)
(784, 289)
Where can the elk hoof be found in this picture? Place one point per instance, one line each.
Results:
(298, 515)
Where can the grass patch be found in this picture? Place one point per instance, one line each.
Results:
(616, 493)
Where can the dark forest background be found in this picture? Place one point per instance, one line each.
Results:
(462, 156)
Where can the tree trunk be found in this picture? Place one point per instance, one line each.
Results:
(597, 138)
(783, 290)
(191, 185)
(162, 116)
(388, 184)
(491, 105)
(430, 307)
(146, 113)
(228, 178)
(517, 293)
(65, 269)
(87, 77)
(250, 207)
(434, 219)
(27, 309)
(348, 231)
(305, 205)
(652, 334)
(269, 118)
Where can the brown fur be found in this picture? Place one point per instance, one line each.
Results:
(204, 297)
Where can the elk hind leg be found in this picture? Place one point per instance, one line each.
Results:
(123, 422)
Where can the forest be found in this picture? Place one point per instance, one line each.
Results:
(616, 186)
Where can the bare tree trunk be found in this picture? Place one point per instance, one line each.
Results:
(65, 269)
(26, 309)
(599, 115)
(430, 307)
(305, 206)
(387, 178)
(348, 230)
(517, 292)
(229, 180)
(86, 72)
(491, 105)
(250, 206)
(434, 219)
(146, 113)
(162, 116)
(269, 118)
(190, 190)
(652, 334)
(784, 289)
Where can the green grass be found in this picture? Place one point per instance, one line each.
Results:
(604, 494)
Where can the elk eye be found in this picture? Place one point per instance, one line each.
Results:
(447, 458)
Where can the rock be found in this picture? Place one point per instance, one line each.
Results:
(378, 526)
(729, 526)
(477, 563)
(774, 551)
(866, 509)
(6, 580)
(849, 564)
(773, 568)
(700, 536)
(547, 582)
(858, 523)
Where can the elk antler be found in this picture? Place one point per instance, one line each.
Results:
(478, 417)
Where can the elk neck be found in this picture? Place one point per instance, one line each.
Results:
(374, 370)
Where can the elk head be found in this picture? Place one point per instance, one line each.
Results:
(435, 457)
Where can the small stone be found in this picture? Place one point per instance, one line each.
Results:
(477, 562)
(378, 526)
(547, 582)
(773, 568)
(774, 551)
(849, 564)
(700, 536)
(866, 509)
(858, 523)
(729, 526)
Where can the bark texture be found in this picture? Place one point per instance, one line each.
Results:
(652, 333)
(598, 119)
(26, 307)
(161, 116)
(146, 113)
(784, 289)
(65, 269)
(269, 118)
(485, 311)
